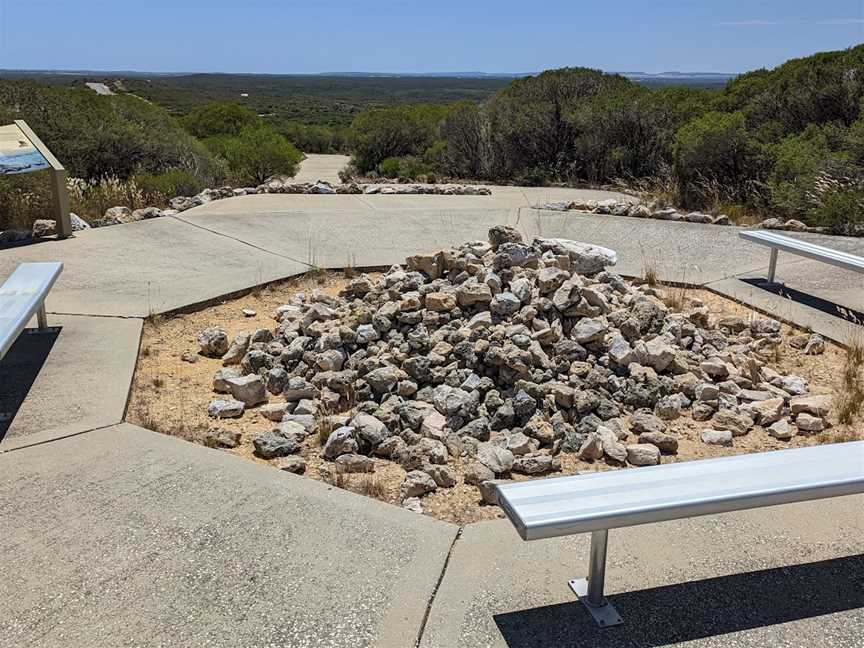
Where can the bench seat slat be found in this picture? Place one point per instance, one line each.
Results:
(806, 249)
(578, 504)
(20, 297)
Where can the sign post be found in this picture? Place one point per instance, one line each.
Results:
(21, 151)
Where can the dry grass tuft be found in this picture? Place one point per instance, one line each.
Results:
(651, 277)
(851, 397)
(158, 382)
(350, 269)
(323, 424)
(371, 486)
(674, 297)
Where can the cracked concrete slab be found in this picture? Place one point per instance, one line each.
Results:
(127, 537)
(72, 378)
(782, 576)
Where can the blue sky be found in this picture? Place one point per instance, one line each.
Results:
(305, 36)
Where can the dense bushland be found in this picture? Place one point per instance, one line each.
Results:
(252, 149)
(787, 142)
(124, 150)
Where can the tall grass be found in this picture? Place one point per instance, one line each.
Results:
(850, 399)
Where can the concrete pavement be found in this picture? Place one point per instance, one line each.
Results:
(321, 167)
(72, 379)
(120, 536)
(125, 537)
(785, 576)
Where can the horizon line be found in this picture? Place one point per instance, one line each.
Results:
(441, 73)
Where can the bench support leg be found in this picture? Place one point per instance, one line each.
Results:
(590, 590)
(772, 266)
(42, 318)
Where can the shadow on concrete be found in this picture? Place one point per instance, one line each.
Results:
(669, 615)
(19, 369)
(823, 305)
(28, 242)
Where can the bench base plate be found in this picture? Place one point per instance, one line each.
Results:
(604, 615)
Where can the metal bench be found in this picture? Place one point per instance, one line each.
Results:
(779, 242)
(597, 502)
(22, 295)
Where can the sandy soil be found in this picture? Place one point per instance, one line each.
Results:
(170, 395)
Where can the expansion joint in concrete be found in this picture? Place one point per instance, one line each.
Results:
(58, 438)
(241, 241)
(437, 586)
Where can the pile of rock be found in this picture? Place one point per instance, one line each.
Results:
(120, 215)
(635, 208)
(638, 209)
(321, 187)
(285, 186)
(505, 355)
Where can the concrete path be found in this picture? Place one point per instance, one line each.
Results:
(321, 167)
(754, 578)
(120, 536)
(125, 537)
(75, 378)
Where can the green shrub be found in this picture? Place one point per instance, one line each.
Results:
(837, 203)
(716, 158)
(393, 132)
(106, 136)
(797, 161)
(313, 138)
(256, 154)
(158, 188)
(390, 167)
(219, 118)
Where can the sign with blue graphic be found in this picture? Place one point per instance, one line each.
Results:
(17, 152)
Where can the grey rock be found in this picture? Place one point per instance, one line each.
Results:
(444, 476)
(270, 445)
(370, 429)
(717, 437)
(225, 409)
(237, 350)
(781, 430)
(643, 454)
(354, 463)
(499, 460)
(737, 423)
(220, 380)
(213, 342)
(477, 473)
(536, 465)
(592, 448)
(664, 442)
(417, 483)
(292, 464)
(341, 441)
(585, 259)
(642, 422)
(809, 423)
(248, 389)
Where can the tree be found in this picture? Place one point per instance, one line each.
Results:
(219, 118)
(465, 151)
(256, 154)
(376, 135)
(715, 154)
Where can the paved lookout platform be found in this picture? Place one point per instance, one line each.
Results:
(113, 535)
